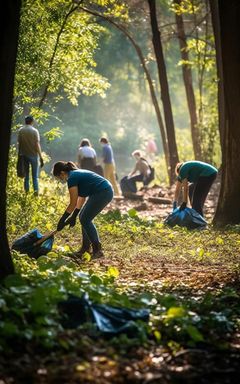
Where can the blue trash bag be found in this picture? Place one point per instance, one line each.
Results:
(25, 244)
(188, 218)
(109, 320)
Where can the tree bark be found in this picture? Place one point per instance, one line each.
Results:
(162, 73)
(221, 101)
(188, 83)
(228, 209)
(8, 50)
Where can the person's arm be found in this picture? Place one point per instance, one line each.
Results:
(177, 192)
(185, 190)
(133, 171)
(73, 194)
(71, 220)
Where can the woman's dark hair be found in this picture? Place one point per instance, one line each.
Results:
(28, 119)
(104, 140)
(85, 143)
(177, 168)
(63, 166)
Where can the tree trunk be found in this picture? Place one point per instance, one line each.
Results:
(228, 209)
(188, 83)
(162, 73)
(221, 101)
(8, 51)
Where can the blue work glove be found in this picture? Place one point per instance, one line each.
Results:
(72, 219)
(183, 206)
(174, 205)
(62, 222)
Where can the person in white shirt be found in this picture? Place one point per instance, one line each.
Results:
(86, 156)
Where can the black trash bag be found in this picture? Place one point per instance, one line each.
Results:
(127, 185)
(21, 166)
(25, 244)
(188, 218)
(108, 319)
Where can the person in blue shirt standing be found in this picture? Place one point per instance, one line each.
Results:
(109, 164)
(201, 176)
(83, 184)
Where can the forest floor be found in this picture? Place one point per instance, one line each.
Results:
(197, 271)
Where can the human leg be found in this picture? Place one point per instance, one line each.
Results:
(191, 191)
(201, 191)
(133, 182)
(109, 174)
(35, 171)
(93, 206)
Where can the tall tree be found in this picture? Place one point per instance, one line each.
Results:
(221, 100)
(188, 82)
(162, 73)
(8, 51)
(228, 209)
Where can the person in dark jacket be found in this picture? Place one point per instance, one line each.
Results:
(196, 178)
(82, 185)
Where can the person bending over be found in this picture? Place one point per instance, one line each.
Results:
(83, 184)
(196, 178)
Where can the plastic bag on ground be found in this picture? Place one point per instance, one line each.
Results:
(108, 319)
(188, 218)
(25, 244)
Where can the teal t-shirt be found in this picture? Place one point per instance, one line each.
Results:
(88, 182)
(192, 170)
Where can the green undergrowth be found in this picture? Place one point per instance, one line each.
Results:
(180, 316)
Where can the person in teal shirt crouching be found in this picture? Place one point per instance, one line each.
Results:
(196, 178)
(82, 185)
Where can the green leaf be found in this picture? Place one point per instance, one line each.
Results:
(194, 333)
(132, 212)
(175, 312)
(113, 272)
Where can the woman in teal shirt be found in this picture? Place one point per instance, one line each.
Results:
(83, 184)
(201, 176)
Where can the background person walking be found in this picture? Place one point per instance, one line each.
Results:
(109, 164)
(29, 146)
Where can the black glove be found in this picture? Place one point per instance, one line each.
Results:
(62, 223)
(41, 162)
(183, 206)
(72, 219)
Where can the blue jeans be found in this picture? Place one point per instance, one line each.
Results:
(33, 161)
(93, 206)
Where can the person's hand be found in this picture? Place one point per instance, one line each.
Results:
(41, 162)
(174, 205)
(183, 206)
(62, 222)
(72, 219)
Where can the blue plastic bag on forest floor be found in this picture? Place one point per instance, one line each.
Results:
(108, 319)
(25, 244)
(188, 218)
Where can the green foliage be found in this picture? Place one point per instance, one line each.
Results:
(56, 47)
